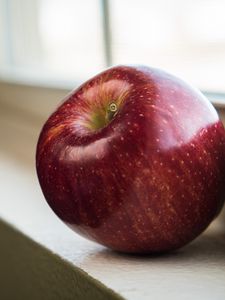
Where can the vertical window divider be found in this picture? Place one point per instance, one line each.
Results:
(107, 32)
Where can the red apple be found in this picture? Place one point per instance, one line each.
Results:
(135, 160)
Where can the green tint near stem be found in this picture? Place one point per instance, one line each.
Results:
(104, 116)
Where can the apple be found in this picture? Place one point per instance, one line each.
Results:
(134, 159)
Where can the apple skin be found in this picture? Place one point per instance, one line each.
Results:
(148, 180)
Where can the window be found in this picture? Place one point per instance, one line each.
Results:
(53, 38)
(185, 37)
(68, 41)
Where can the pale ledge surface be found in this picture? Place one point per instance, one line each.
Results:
(195, 272)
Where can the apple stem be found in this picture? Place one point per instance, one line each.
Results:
(112, 110)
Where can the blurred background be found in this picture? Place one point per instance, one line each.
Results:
(67, 41)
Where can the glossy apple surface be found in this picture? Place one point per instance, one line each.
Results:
(135, 160)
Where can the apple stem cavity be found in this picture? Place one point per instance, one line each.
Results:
(103, 117)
